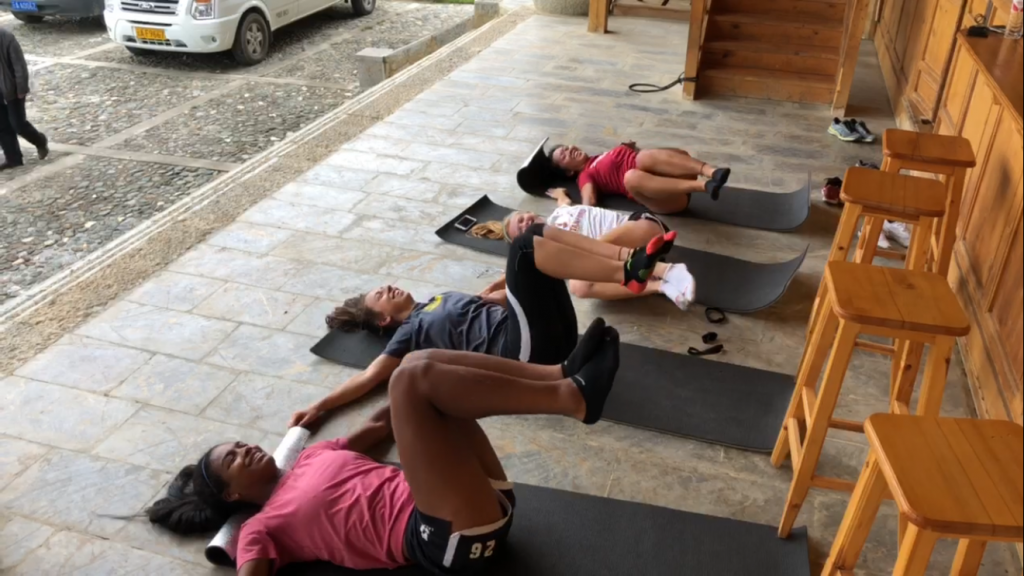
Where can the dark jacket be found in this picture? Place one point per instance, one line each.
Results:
(13, 68)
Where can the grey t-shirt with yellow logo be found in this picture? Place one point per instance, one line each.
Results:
(451, 321)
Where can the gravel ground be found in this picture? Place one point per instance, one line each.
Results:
(236, 126)
(337, 64)
(291, 40)
(76, 104)
(31, 161)
(51, 223)
(59, 37)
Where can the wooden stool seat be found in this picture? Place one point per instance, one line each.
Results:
(920, 148)
(950, 478)
(914, 307)
(895, 299)
(894, 195)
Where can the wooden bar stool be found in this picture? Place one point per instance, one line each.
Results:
(950, 478)
(949, 158)
(906, 305)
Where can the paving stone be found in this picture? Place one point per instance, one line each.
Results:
(472, 277)
(460, 197)
(273, 353)
(17, 455)
(405, 210)
(250, 305)
(263, 402)
(486, 128)
(447, 107)
(346, 254)
(403, 187)
(249, 238)
(84, 363)
(241, 267)
(495, 145)
(70, 553)
(410, 133)
(158, 330)
(179, 292)
(311, 321)
(18, 538)
(487, 79)
(58, 416)
(164, 440)
(468, 177)
(431, 153)
(401, 234)
(336, 176)
(333, 283)
(299, 217)
(321, 196)
(376, 145)
(175, 384)
(367, 161)
(79, 491)
(423, 120)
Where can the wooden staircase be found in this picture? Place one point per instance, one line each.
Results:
(790, 50)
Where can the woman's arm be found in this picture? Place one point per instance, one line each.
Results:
(255, 568)
(376, 430)
(354, 388)
(589, 195)
(561, 195)
(499, 297)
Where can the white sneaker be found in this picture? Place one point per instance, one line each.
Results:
(898, 232)
(679, 286)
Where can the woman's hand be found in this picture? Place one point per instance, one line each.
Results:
(498, 284)
(629, 144)
(561, 195)
(305, 418)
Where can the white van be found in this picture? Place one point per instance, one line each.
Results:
(245, 27)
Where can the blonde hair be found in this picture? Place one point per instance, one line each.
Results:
(493, 230)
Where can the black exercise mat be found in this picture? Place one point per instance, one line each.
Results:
(723, 282)
(656, 390)
(737, 206)
(558, 533)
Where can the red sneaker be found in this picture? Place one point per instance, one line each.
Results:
(830, 192)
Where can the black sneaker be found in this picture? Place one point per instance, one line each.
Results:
(10, 166)
(862, 130)
(43, 150)
(871, 165)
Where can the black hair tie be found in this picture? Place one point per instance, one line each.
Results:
(715, 315)
(716, 349)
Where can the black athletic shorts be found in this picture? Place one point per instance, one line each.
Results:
(429, 542)
(541, 318)
(644, 215)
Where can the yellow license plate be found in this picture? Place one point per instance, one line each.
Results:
(155, 34)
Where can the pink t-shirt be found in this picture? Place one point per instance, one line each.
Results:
(607, 172)
(336, 506)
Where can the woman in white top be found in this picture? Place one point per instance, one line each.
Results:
(615, 228)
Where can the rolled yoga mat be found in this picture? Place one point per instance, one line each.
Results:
(657, 390)
(221, 550)
(737, 206)
(557, 533)
(723, 282)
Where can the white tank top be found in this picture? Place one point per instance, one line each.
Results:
(589, 221)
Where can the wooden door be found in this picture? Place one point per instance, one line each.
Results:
(928, 71)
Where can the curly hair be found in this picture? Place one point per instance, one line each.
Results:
(354, 315)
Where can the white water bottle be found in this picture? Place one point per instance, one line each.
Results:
(1015, 25)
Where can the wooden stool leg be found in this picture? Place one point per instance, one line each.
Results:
(936, 372)
(598, 16)
(920, 244)
(915, 552)
(947, 233)
(867, 246)
(969, 555)
(815, 354)
(853, 532)
(841, 244)
(906, 372)
(817, 425)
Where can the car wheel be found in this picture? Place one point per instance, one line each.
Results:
(363, 7)
(33, 19)
(252, 41)
(136, 51)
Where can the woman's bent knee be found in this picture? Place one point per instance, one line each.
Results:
(411, 380)
(581, 289)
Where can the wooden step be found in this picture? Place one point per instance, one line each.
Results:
(766, 84)
(652, 9)
(832, 10)
(774, 29)
(817, 60)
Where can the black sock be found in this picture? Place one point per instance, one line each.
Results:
(588, 345)
(718, 181)
(596, 379)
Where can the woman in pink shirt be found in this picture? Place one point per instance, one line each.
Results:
(449, 509)
(662, 180)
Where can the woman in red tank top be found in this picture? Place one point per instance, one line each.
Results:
(662, 180)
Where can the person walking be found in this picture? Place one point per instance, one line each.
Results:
(14, 88)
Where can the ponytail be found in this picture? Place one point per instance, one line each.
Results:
(195, 502)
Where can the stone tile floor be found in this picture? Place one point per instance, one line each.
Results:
(216, 346)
